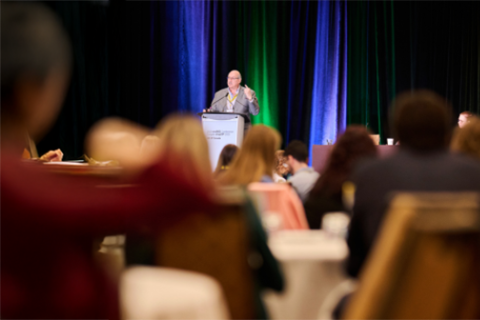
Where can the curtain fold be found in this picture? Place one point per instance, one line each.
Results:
(329, 85)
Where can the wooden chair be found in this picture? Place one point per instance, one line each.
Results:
(281, 200)
(216, 245)
(426, 261)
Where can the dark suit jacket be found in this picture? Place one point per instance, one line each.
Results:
(242, 104)
(377, 180)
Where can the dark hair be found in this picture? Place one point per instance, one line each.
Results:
(298, 150)
(422, 120)
(33, 43)
(354, 144)
(226, 156)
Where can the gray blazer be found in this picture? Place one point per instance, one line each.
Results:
(242, 104)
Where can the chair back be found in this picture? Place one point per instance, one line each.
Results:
(425, 263)
(281, 200)
(216, 245)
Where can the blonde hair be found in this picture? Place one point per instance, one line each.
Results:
(182, 135)
(256, 158)
(467, 139)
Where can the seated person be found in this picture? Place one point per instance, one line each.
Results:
(464, 118)
(304, 177)
(183, 135)
(282, 170)
(255, 161)
(326, 196)
(467, 140)
(423, 163)
(225, 158)
(49, 221)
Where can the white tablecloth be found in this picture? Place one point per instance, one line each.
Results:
(164, 293)
(312, 262)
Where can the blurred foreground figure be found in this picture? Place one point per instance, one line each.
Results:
(48, 222)
(422, 123)
(183, 135)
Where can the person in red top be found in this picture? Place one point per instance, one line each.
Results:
(48, 221)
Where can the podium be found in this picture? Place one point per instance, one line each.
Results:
(221, 129)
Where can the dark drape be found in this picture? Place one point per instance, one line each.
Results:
(110, 70)
(143, 60)
(395, 46)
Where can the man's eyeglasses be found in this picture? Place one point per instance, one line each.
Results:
(229, 78)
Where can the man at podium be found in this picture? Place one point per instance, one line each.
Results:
(236, 98)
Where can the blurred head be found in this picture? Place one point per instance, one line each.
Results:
(119, 140)
(464, 118)
(35, 67)
(256, 157)
(422, 120)
(282, 167)
(297, 155)
(233, 80)
(298, 150)
(354, 144)
(226, 156)
(183, 144)
(467, 140)
(150, 147)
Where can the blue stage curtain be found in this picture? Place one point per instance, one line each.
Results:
(328, 118)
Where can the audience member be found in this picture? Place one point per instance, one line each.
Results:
(326, 196)
(255, 161)
(183, 135)
(282, 171)
(303, 177)
(467, 140)
(464, 118)
(422, 122)
(225, 158)
(49, 221)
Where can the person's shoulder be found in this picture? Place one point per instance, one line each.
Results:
(311, 174)
(369, 164)
(462, 161)
(303, 174)
(221, 92)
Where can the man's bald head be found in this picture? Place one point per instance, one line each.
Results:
(233, 80)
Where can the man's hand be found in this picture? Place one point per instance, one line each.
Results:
(52, 155)
(248, 92)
